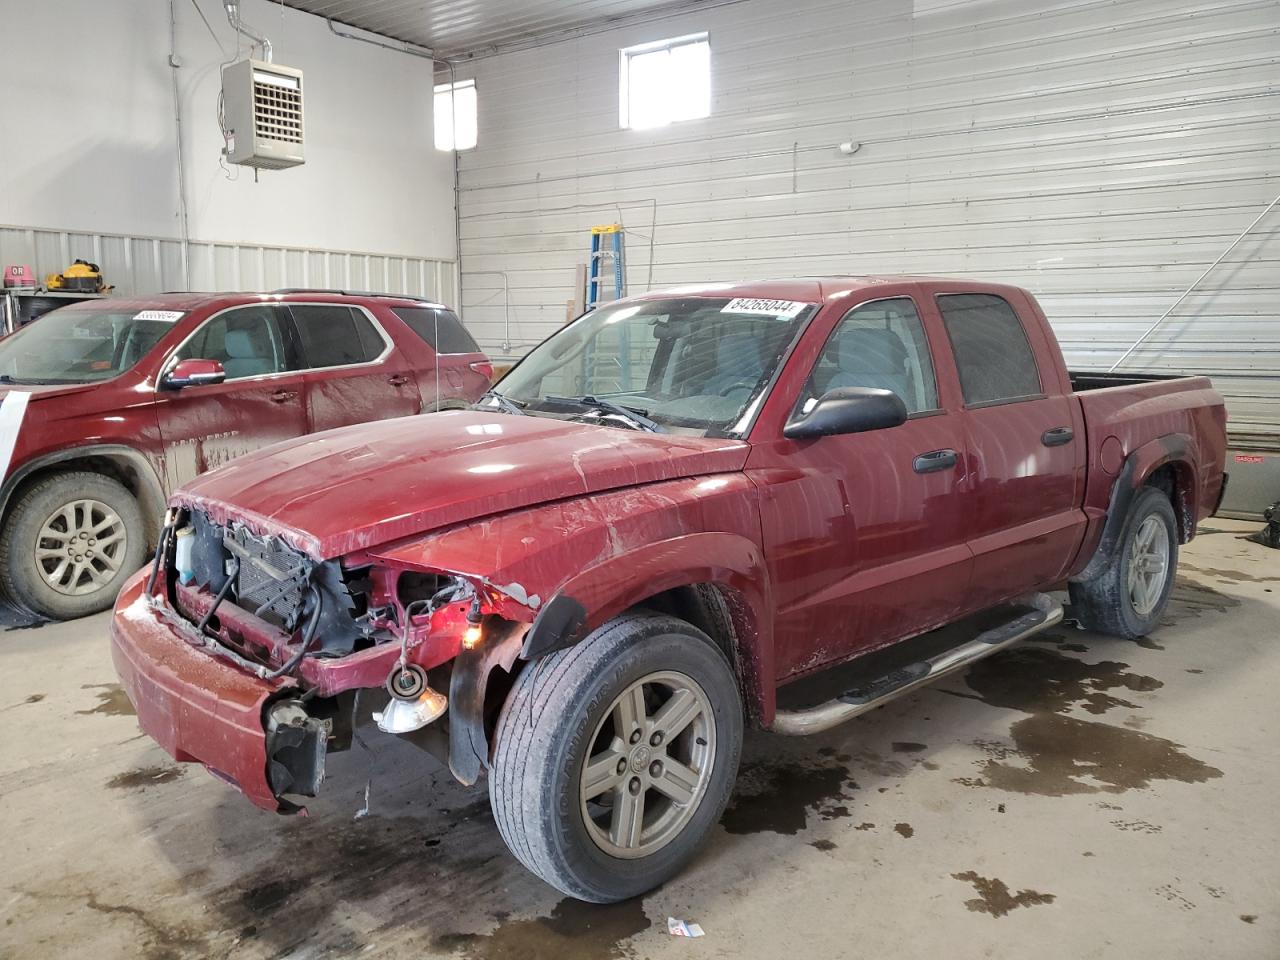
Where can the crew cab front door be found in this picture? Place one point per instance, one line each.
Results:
(354, 372)
(863, 533)
(259, 402)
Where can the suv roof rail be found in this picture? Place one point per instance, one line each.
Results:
(353, 293)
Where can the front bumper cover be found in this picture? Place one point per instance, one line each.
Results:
(198, 707)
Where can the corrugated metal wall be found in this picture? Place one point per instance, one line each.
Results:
(1101, 154)
(153, 264)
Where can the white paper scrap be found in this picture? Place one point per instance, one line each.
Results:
(678, 928)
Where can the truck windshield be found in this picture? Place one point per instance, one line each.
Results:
(83, 344)
(690, 364)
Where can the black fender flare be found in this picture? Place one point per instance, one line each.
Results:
(468, 686)
(1137, 467)
(151, 491)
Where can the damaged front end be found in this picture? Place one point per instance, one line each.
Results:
(276, 647)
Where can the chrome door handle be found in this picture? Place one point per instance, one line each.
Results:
(935, 460)
(397, 380)
(283, 396)
(1057, 436)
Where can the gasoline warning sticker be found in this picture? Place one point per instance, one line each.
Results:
(164, 316)
(764, 308)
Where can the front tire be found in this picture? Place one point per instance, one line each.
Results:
(69, 542)
(615, 758)
(1130, 595)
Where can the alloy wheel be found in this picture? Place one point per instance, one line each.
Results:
(648, 765)
(81, 547)
(1148, 565)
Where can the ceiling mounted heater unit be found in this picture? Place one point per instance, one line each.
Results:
(262, 114)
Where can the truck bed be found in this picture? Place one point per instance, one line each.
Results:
(1136, 408)
(1082, 380)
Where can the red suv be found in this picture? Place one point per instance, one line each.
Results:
(110, 405)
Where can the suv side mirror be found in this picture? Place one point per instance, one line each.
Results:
(193, 373)
(848, 410)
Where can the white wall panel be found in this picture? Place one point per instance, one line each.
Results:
(1102, 154)
(153, 264)
(94, 144)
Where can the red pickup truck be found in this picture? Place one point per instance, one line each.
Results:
(110, 405)
(664, 524)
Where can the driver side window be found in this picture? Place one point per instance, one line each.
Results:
(247, 342)
(879, 344)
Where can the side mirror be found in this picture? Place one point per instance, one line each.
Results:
(848, 410)
(193, 373)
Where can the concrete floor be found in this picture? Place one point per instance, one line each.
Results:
(1079, 796)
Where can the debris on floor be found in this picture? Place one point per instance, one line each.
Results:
(678, 928)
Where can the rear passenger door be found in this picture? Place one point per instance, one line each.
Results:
(459, 372)
(1024, 522)
(353, 371)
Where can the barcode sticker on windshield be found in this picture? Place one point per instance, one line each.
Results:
(164, 316)
(764, 308)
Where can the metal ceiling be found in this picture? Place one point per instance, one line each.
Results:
(458, 28)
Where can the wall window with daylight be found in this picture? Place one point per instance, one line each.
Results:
(455, 110)
(665, 81)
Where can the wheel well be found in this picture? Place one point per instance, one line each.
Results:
(120, 469)
(710, 608)
(707, 606)
(1175, 482)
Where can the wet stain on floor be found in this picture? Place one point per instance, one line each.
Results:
(995, 898)
(1146, 643)
(1194, 600)
(1064, 755)
(906, 746)
(1033, 679)
(23, 623)
(155, 939)
(779, 798)
(112, 700)
(34, 698)
(319, 873)
(144, 777)
(1230, 576)
(824, 845)
(904, 830)
(573, 930)
(162, 941)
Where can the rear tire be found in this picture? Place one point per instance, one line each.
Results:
(1128, 598)
(69, 542)
(584, 770)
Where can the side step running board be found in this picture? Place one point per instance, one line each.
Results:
(1046, 613)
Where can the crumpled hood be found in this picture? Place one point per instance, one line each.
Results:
(358, 487)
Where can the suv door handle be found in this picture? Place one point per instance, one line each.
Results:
(397, 380)
(283, 396)
(1057, 436)
(934, 460)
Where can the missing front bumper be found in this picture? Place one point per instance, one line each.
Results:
(296, 748)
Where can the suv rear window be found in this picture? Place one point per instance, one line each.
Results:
(442, 330)
(991, 349)
(334, 336)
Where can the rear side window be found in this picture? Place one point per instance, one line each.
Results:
(333, 336)
(442, 330)
(992, 353)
